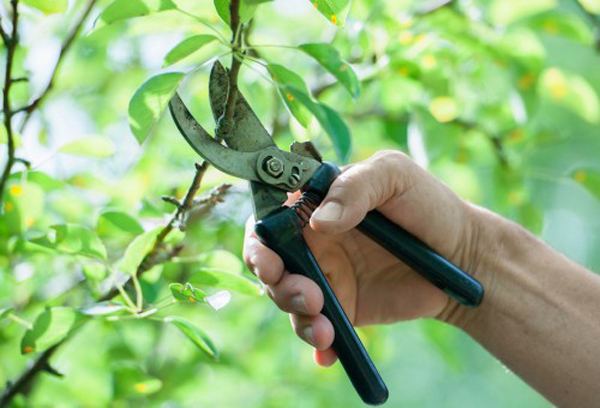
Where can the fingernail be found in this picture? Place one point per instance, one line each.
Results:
(309, 335)
(331, 211)
(299, 304)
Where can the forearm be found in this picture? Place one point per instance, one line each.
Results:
(541, 314)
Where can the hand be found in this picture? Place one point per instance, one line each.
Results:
(372, 285)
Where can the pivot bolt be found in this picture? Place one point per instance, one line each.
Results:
(274, 167)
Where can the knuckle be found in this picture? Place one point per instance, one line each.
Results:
(391, 159)
(298, 328)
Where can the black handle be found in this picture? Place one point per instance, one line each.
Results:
(281, 230)
(442, 273)
(409, 249)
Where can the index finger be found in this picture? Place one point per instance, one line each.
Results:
(262, 261)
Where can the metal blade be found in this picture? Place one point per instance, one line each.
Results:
(206, 146)
(265, 198)
(247, 133)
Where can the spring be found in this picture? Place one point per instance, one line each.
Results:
(305, 206)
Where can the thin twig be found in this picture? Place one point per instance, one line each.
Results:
(23, 383)
(185, 205)
(158, 253)
(226, 121)
(11, 45)
(139, 295)
(63, 51)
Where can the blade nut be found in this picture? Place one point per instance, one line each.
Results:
(274, 167)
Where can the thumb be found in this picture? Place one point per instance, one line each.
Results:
(358, 190)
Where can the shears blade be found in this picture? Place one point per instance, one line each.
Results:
(246, 140)
(247, 133)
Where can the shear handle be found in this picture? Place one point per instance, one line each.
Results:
(455, 282)
(281, 230)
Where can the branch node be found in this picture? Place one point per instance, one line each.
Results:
(51, 370)
(171, 200)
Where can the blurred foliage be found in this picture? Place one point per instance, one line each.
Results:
(499, 98)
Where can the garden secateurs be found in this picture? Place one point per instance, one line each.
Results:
(251, 154)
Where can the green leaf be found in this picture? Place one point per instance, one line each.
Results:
(330, 120)
(187, 47)
(130, 381)
(50, 327)
(5, 312)
(186, 293)
(137, 251)
(285, 77)
(247, 10)
(73, 240)
(333, 10)
(224, 280)
(94, 271)
(125, 9)
(149, 102)
(573, 92)
(101, 308)
(593, 6)
(48, 6)
(123, 221)
(555, 22)
(93, 146)
(24, 206)
(588, 178)
(329, 57)
(504, 12)
(197, 336)
(48, 183)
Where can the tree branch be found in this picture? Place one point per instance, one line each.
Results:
(11, 45)
(226, 121)
(184, 207)
(66, 45)
(158, 254)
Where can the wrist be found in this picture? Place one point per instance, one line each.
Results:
(492, 245)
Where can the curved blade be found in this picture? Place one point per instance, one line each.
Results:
(247, 134)
(265, 198)
(238, 164)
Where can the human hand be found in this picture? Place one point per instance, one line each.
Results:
(372, 285)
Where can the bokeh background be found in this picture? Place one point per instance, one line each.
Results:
(498, 98)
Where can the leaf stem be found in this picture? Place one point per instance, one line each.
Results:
(139, 295)
(222, 38)
(20, 321)
(291, 47)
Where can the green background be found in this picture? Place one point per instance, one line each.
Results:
(500, 99)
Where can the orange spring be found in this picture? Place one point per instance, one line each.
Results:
(305, 206)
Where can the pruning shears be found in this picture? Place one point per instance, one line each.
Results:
(251, 154)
